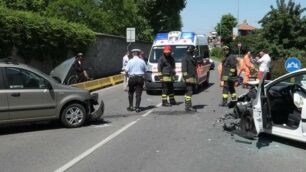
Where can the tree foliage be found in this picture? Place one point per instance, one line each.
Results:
(162, 15)
(111, 16)
(225, 28)
(284, 25)
(35, 36)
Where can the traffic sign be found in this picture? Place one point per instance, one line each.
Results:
(239, 45)
(292, 64)
(130, 34)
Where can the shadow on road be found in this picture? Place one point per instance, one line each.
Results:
(265, 140)
(41, 126)
(200, 89)
(199, 106)
(173, 113)
(29, 127)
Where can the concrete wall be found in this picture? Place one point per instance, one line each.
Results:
(104, 58)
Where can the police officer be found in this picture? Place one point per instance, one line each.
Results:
(166, 68)
(190, 76)
(229, 76)
(135, 69)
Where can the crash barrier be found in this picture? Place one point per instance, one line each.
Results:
(100, 83)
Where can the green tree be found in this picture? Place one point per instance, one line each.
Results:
(225, 28)
(284, 25)
(163, 15)
(26, 5)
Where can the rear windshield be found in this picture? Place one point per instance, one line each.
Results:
(178, 52)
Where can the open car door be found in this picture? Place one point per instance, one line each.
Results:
(258, 106)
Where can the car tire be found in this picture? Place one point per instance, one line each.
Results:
(150, 92)
(73, 115)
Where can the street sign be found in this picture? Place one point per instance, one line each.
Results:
(292, 64)
(130, 34)
(239, 45)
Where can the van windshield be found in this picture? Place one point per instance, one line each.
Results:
(178, 52)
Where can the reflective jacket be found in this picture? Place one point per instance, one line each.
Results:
(166, 67)
(229, 68)
(189, 69)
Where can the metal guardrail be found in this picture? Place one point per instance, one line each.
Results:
(100, 83)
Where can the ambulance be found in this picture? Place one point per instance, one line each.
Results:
(179, 42)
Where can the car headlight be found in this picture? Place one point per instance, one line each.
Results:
(211, 61)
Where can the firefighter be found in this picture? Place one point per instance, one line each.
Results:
(190, 76)
(166, 68)
(229, 76)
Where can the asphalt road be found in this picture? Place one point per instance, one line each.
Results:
(156, 140)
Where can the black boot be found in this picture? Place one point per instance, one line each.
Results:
(188, 107)
(165, 103)
(224, 102)
(172, 101)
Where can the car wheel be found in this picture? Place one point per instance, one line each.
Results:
(73, 115)
(150, 92)
(247, 125)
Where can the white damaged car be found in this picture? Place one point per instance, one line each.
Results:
(275, 107)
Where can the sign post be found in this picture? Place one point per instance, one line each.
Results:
(130, 36)
(239, 47)
(292, 64)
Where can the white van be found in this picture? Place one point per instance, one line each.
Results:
(179, 42)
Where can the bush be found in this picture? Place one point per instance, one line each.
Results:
(278, 66)
(217, 53)
(38, 37)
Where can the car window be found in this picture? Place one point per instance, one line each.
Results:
(299, 79)
(1, 80)
(23, 79)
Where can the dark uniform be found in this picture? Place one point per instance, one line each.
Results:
(78, 68)
(166, 67)
(135, 69)
(229, 76)
(190, 76)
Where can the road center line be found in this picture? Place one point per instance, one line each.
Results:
(146, 114)
(95, 147)
(100, 144)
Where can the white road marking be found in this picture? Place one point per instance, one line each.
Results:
(95, 147)
(102, 126)
(146, 114)
(100, 144)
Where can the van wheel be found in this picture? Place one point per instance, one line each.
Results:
(73, 115)
(150, 92)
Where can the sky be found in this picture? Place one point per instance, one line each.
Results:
(201, 16)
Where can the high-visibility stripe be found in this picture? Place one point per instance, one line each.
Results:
(225, 96)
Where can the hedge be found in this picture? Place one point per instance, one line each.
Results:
(39, 37)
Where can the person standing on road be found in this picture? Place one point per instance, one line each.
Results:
(125, 60)
(190, 76)
(135, 69)
(264, 64)
(229, 76)
(247, 68)
(166, 68)
(79, 69)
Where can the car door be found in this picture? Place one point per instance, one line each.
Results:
(28, 95)
(4, 109)
(257, 107)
